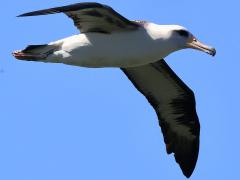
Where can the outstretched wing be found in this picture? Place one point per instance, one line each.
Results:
(91, 17)
(174, 104)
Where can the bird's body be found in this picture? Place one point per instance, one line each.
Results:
(133, 48)
(108, 39)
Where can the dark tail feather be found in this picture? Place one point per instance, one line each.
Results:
(39, 49)
(35, 52)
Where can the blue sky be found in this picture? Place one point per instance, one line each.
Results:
(63, 122)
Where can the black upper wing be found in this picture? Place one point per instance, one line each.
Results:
(91, 17)
(174, 104)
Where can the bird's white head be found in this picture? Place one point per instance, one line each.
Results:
(178, 37)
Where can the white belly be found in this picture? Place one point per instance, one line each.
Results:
(119, 49)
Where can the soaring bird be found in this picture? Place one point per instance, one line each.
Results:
(108, 39)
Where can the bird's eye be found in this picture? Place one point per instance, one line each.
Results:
(183, 33)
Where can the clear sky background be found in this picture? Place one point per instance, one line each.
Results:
(61, 122)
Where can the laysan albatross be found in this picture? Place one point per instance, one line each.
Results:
(108, 39)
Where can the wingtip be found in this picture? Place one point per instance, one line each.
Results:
(22, 15)
(188, 174)
(188, 169)
(29, 14)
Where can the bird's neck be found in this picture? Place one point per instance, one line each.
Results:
(161, 36)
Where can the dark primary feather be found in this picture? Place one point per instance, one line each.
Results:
(72, 7)
(91, 17)
(174, 104)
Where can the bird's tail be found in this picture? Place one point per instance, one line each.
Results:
(34, 52)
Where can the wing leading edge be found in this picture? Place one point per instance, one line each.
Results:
(91, 17)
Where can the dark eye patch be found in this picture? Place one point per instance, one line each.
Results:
(182, 33)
